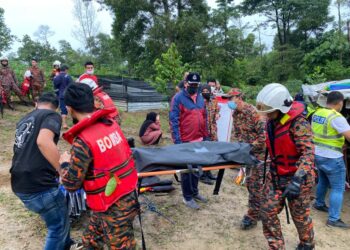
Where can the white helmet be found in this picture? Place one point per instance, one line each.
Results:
(27, 74)
(4, 58)
(274, 96)
(58, 63)
(91, 83)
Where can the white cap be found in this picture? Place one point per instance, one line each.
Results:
(58, 63)
(27, 73)
(3, 58)
(91, 83)
(274, 96)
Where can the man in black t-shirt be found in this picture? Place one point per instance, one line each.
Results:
(35, 167)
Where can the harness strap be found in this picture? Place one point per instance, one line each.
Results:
(140, 220)
(115, 169)
(265, 164)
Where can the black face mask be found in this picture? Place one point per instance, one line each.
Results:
(192, 90)
(206, 95)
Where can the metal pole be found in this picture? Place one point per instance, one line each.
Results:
(183, 171)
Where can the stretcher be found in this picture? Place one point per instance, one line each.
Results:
(193, 157)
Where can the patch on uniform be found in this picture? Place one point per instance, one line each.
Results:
(318, 119)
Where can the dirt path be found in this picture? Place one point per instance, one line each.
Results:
(215, 226)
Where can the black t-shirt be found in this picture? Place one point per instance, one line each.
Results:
(30, 171)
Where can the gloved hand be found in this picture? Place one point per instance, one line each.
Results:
(293, 189)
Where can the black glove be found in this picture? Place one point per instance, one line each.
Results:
(293, 189)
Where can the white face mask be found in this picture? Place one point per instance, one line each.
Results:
(89, 71)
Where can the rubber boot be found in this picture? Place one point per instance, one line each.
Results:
(248, 223)
(211, 176)
(304, 247)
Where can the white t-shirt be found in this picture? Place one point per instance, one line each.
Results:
(341, 125)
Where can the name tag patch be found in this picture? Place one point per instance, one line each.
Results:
(319, 119)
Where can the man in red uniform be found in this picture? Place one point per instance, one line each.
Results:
(8, 83)
(249, 127)
(100, 161)
(89, 73)
(291, 175)
(38, 79)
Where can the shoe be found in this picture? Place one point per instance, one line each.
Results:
(323, 208)
(200, 198)
(247, 223)
(339, 223)
(304, 247)
(191, 204)
(211, 176)
(76, 246)
(206, 180)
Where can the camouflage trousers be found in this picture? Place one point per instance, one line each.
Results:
(273, 203)
(255, 186)
(36, 90)
(113, 228)
(8, 88)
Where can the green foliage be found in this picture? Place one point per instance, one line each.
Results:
(169, 70)
(216, 43)
(316, 77)
(335, 70)
(5, 34)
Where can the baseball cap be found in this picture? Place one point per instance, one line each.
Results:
(193, 78)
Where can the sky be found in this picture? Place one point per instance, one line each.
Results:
(24, 17)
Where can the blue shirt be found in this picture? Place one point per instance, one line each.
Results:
(60, 82)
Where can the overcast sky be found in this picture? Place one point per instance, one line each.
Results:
(24, 17)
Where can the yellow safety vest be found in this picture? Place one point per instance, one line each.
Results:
(324, 134)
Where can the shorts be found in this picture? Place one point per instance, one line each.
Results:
(63, 107)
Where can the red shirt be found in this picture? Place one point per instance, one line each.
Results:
(85, 76)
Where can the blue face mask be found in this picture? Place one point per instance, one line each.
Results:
(232, 105)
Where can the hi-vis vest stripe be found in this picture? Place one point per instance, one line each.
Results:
(324, 134)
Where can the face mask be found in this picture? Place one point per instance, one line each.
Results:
(192, 90)
(75, 120)
(206, 95)
(89, 71)
(232, 105)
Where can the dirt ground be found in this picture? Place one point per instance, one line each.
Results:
(214, 226)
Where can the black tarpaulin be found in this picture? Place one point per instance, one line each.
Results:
(179, 156)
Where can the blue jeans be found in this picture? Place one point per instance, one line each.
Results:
(331, 174)
(52, 207)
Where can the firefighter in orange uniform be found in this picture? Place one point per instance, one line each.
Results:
(101, 161)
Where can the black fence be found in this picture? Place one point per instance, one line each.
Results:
(130, 90)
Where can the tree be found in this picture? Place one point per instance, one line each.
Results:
(5, 34)
(43, 33)
(30, 49)
(286, 15)
(169, 70)
(87, 26)
(146, 29)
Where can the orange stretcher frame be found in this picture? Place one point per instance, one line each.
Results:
(183, 171)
